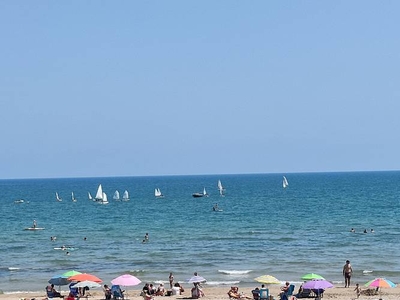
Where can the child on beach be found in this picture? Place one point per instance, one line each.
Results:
(358, 290)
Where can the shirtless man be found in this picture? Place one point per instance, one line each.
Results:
(347, 270)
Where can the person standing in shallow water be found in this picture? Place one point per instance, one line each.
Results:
(171, 280)
(347, 271)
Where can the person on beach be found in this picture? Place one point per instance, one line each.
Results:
(160, 290)
(358, 290)
(53, 291)
(256, 293)
(177, 289)
(107, 292)
(233, 293)
(171, 280)
(347, 271)
(284, 289)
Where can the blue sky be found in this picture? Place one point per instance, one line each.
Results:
(132, 88)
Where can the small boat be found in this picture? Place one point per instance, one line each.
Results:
(284, 182)
(99, 194)
(19, 201)
(158, 193)
(198, 195)
(73, 197)
(125, 196)
(221, 188)
(34, 228)
(116, 196)
(90, 196)
(58, 197)
(104, 199)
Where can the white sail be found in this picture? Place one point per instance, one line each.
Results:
(284, 182)
(204, 192)
(104, 199)
(125, 196)
(220, 188)
(116, 196)
(58, 197)
(73, 197)
(157, 193)
(99, 194)
(90, 196)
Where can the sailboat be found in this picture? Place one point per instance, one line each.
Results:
(221, 188)
(284, 182)
(125, 196)
(73, 197)
(116, 196)
(99, 194)
(58, 197)
(198, 195)
(158, 193)
(104, 199)
(90, 196)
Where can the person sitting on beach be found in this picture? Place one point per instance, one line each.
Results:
(160, 290)
(54, 292)
(107, 292)
(70, 296)
(196, 291)
(284, 289)
(233, 293)
(256, 293)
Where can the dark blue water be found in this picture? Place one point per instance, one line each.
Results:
(263, 228)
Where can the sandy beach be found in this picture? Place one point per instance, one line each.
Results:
(337, 293)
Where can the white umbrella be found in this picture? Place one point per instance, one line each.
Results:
(88, 283)
(197, 279)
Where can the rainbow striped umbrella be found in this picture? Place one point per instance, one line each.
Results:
(380, 283)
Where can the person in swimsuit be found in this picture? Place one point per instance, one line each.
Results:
(347, 271)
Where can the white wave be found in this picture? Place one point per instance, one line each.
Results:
(13, 269)
(222, 282)
(367, 271)
(234, 272)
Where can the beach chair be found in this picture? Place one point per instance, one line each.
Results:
(305, 293)
(256, 294)
(116, 292)
(264, 294)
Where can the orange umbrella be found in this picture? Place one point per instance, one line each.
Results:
(84, 276)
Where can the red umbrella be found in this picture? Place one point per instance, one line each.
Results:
(84, 276)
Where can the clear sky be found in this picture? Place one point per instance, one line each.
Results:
(132, 88)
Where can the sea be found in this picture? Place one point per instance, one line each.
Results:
(262, 228)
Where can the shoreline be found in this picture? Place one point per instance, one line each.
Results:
(337, 293)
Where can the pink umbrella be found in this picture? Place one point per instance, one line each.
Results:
(126, 280)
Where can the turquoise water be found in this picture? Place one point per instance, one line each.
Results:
(263, 228)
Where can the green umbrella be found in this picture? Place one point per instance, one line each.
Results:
(70, 273)
(311, 276)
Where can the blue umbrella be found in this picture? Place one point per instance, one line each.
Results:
(59, 280)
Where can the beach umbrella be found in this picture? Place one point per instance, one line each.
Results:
(126, 280)
(59, 280)
(267, 279)
(70, 273)
(311, 276)
(317, 284)
(88, 283)
(84, 276)
(380, 283)
(197, 279)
